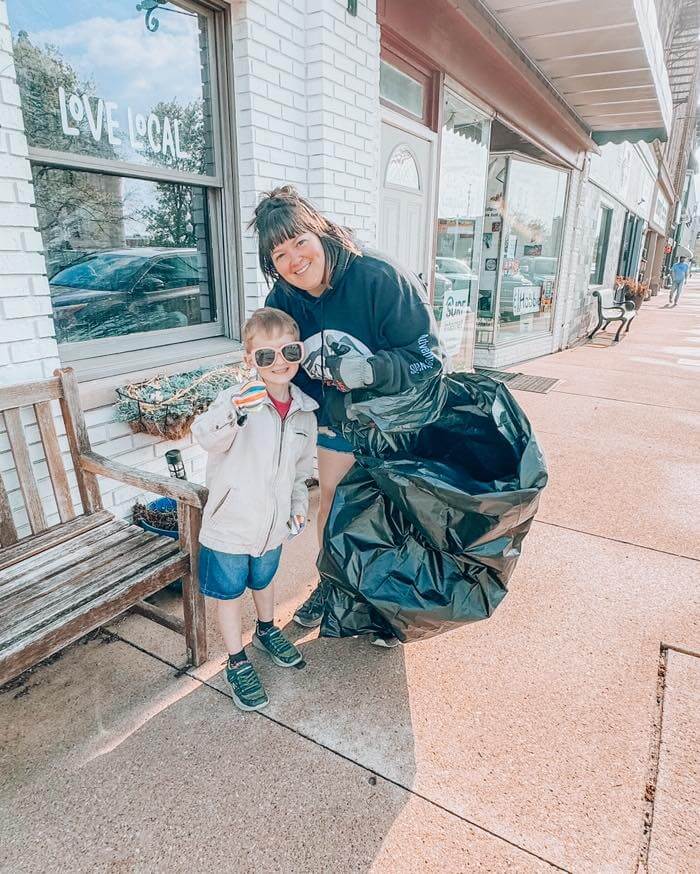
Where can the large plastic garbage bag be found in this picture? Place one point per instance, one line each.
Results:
(423, 537)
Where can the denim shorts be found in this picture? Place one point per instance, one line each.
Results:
(330, 439)
(226, 576)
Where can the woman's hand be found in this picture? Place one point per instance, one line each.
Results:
(350, 371)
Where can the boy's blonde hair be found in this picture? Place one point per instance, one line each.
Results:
(268, 320)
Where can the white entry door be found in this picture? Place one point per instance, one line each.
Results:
(405, 227)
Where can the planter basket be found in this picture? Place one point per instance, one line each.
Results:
(166, 406)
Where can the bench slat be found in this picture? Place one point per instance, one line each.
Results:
(53, 636)
(55, 559)
(72, 599)
(29, 393)
(29, 546)
(8, 532)
(25, 471)
(54, 461)
(71, 570)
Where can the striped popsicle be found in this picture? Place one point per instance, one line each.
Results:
(250, 395)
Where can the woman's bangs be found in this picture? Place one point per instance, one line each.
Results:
(280, 225)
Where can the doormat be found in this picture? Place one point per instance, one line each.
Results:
(521, 381)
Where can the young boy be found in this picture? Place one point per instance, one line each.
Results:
(260, 446)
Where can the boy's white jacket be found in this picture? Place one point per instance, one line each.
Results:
(256, 472)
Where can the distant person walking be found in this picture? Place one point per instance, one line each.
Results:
(679, 273)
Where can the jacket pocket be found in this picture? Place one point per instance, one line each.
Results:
(220, 504)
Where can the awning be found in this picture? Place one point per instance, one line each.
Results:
(464, 43)
(637, 135)
(605, 59)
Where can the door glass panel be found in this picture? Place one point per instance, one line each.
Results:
(402, 169)
(402, 90)
(460, 226)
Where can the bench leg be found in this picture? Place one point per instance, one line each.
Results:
(595, 330)
(189, 522)
(619, 330)
(629, 325)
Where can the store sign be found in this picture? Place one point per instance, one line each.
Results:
(526, 299)
(104, 117)
(660, 210)
(453, 320)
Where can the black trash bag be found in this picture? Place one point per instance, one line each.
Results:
(379, 425)
(425, 538)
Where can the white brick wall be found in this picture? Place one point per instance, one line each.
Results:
(27, 345)
(307, 96)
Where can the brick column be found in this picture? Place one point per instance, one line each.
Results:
(27, 345)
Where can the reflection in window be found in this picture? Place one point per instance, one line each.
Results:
(402, 90)
(402, 169)
(123, 255)
(95, 82)
(532, 227)
(463, 169)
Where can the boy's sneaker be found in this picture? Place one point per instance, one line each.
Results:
(248, 692)
(387, 641)
(275, 644)
(310, 613)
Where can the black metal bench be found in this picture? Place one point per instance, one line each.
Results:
(611, 310)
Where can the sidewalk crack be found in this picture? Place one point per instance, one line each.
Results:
(180, 671)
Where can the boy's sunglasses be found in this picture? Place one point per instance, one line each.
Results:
(266, 356)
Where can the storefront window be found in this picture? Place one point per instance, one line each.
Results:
(123, 255)
(463, 167)
(522, 237)
(600, 250)
(119, 120)
(491, 253)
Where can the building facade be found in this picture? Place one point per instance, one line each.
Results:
(515, 157)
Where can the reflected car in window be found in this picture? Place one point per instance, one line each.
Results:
(457, 271)
(123, 291)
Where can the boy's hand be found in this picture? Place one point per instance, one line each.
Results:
(296, 525)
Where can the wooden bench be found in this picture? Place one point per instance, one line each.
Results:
(609, 310)
(60, 582)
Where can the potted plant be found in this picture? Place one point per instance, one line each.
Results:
(627, 288)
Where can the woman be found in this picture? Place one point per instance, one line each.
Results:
(365, 323)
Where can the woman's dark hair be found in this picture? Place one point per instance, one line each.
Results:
(283, 214)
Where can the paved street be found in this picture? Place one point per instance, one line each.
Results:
(556, 736)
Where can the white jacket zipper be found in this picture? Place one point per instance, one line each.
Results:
(274, 479)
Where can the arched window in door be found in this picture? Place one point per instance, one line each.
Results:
(402, 169)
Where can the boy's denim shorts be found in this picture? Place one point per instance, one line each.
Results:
(226, 576)
(329, 438)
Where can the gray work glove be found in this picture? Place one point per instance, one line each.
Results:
(350, 371)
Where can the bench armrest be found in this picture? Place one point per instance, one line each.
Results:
(180, 490)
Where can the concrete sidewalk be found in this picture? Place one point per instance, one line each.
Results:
(556, 736)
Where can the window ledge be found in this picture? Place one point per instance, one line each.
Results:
(100, 377)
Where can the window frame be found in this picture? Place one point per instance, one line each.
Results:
(596, 279)
(221, 190)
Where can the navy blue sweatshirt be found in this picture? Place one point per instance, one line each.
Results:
(374, 307)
